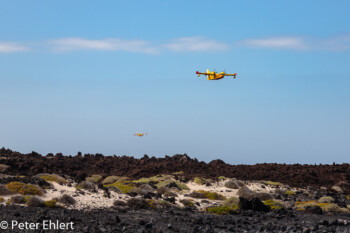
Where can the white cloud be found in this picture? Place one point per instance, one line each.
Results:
(69, 44)
(295, 43)
(182, 44)
(339, 43)
(195, 44)
(10, 47)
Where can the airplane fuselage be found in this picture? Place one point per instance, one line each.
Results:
(215, 76)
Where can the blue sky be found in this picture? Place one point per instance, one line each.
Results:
(86, 75)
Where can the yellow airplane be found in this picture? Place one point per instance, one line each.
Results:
(215, 76)
(140, 134)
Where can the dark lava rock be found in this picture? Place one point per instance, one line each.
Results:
(257, 205)
(79, 167)
(254, 204)
(313, 210)
(245, 204)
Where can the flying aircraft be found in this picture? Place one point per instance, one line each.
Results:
(140, 134)
(215, 76)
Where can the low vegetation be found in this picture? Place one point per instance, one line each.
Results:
(222, 210)
(172, 183)
(221, 178)
(50, 204)
(124, 187)
(94, 178)
(187, 203)
(54, 178)
(86, 185)
(24, 189)
(2, 199)
(196, 194)
(35, 202)
(275, 204)
(326, 207)
(290, 192)
(211, 195)
(231, 202)
(326, 199)
(157, 204)
(66, 200)
(337, 189)
(272, 183)
(19, 199)
(137, 203)
(110, 179)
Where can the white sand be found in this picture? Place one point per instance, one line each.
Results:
(92, 200)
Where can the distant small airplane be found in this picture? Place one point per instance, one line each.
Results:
(215, 76)
(140, 134)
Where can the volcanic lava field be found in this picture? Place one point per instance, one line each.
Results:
(172, 194)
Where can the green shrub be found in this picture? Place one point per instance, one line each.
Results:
(24, 189)
(144, 189)
(110, 179)
(137, 203)
(157, 204)
(200, 181)
(337, 189)
(222, 210)
(35, 202)
(187, 203)
(124, 187)
(326, 207)
(19, 199)
(326, 199)
(50, 204)
(272, 183)
(169, 194)
(66, 200)
(157, 178)
(86, 185)
(26, 198)
(119, 203)
(212, 195)
(2, 199)
(275, 204)
(222, 178)
(178, 173)
(196, 194)
(165, 183)
(94, 178)
(54, 178)
(231, 202)
(290, 192)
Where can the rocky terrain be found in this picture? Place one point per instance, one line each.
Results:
(97, 193)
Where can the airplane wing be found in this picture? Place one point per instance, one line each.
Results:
(234, 75)
(231, 74)
(199, 73)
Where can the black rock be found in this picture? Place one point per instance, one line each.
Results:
(313, 210)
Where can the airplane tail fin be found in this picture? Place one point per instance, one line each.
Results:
(208, 71)
(234, 75)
